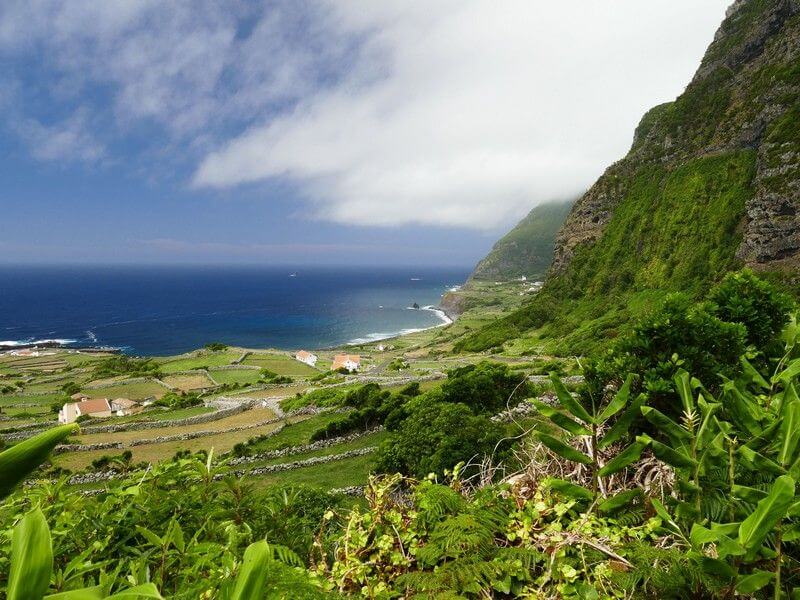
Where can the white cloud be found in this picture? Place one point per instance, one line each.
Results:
(468, 113)
(67, 140)
(446, 113)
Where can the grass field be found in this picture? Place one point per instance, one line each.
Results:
(246, 376)
(373, 439)
(220, 442)
(188, 382)
(244, 418)
(295, 434)
(271, 392)
(44, 400)
(338, 474)
(280, 364)
(199, 360)
(133, 391)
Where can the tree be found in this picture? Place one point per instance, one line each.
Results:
(437, 436)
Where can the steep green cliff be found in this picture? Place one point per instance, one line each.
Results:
(526, 250)
(711, 183)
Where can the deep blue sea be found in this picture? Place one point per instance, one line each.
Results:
(168, 310)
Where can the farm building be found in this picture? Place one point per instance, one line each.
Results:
(351, 362)
(306, 357)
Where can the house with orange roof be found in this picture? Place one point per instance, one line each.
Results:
(350, 362)
(100, 407)
(306, 357)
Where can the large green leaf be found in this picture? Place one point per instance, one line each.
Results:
(683, 385)
(789, 434)
(753, 582)
(563, 449)
(667, 455)
(147, 590)
(628, 456)
(618, 402)
(758, 462)
(790, 372)
(751, 372)
(769, 511)
(624, 422)
(560, 419)
(568, 402)
(253, 575)
(20, 460)
(568, 488)
(748, 494)
(675, 432)
(92, 593)
(618, 501)
(31, 558)
(745, 410)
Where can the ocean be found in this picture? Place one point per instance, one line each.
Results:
(155, 311)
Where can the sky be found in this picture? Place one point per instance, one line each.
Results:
(317, 131)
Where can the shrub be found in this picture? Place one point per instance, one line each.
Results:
(762, 309)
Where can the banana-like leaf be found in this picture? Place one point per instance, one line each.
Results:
(619, 501)
(568, 402)
(31, 558)
(683, 385)
(147, 590)
(769, 511)
(791, 371)
(759, 462)
(667, 455)
(628, 456)
(789, 433)
(563, 449)
(744, 410)
(753, 374)
(618, 402)
(623, 424)
(92, 593)
(560, 419)
(253, 575)
(568, 488)
(20, 460)
(753, 582)
(749, 494)
(675, 432)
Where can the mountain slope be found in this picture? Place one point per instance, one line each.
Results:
(711, 183)
(528, 248)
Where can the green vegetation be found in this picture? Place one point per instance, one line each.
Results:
(674, 230)
(526, 250)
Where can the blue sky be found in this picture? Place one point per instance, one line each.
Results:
(317, 132)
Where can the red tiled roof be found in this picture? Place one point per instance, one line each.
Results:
(88, 407)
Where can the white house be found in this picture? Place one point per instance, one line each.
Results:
(94, 408)
(306, 357)
(351, 362)
(122, 407)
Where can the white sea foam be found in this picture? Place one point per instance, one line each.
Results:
(378, 336)
(32, 342)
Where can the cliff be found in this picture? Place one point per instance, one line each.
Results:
(711, 183)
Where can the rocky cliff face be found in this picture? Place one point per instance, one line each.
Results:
(743, 100)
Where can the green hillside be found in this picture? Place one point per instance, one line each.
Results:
(709, 185)
(526, 250)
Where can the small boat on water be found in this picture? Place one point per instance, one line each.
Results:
(415, 279)
(292, 274)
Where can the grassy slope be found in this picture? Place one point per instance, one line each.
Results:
(528, 248)
(673, 230)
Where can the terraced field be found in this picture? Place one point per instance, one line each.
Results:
(188, 382)
(280, 364)
(134, 391)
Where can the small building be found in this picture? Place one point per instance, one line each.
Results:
(122, 407)
(93, 408)
(350, 362)
(306, 357)
(79, 397)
